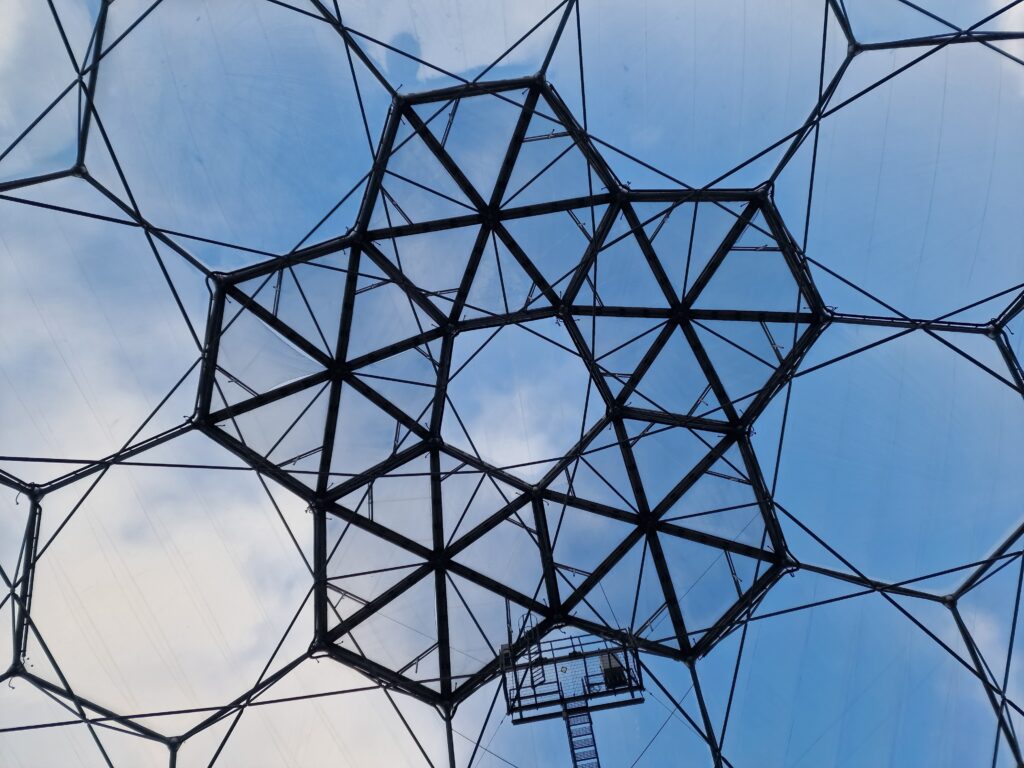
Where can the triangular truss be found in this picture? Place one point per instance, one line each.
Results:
(509, 395)
(664, 377)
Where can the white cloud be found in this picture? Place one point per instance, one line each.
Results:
(166, 589)
(455, 35)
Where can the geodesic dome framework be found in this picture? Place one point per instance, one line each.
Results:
(514, 380)
(647, 417)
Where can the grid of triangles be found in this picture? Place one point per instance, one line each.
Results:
(358, 352)
(563, 376)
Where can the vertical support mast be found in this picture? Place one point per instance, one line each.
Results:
(26, 579)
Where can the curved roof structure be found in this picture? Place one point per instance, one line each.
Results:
(359, 358)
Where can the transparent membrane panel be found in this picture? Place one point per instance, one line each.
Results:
(182, 585)
(89, 373)
(352, 352)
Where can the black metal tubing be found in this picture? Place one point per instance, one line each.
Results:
(727, 426)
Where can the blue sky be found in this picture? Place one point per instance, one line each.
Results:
(239, 122)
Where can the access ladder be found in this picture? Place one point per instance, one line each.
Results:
(582, 746)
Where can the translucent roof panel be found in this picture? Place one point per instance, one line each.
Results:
(358, 357)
